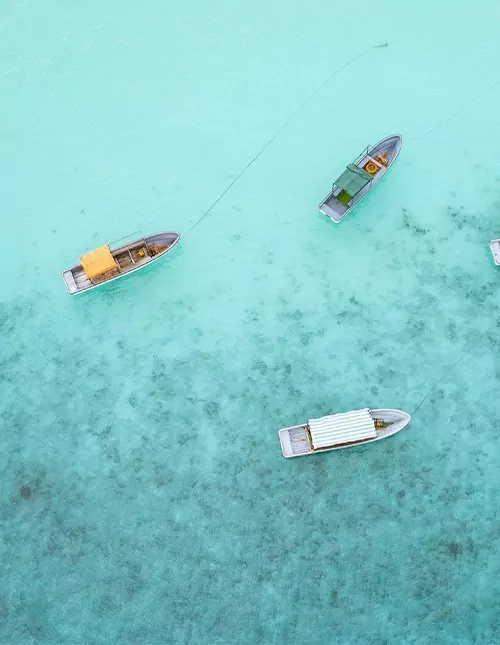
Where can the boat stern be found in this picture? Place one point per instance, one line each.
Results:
(295, 441)
(333, 208)
(69, 281)
(286, 444)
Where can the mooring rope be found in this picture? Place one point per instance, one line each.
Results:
(305, 103)
(475, 346)
(440, 380)
(464, 107)
(290, 119)
(274, 136)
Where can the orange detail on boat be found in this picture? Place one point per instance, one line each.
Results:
(383, 159)
(372, 168)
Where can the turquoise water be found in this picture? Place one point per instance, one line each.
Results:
(144, 497)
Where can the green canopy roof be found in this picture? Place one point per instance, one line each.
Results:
(353, 179)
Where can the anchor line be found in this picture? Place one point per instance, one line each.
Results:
(474, 347)
(272, 139)
(459, 111)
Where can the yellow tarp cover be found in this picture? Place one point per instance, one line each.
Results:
(97, 262)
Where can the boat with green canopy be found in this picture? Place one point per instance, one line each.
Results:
(360, 177)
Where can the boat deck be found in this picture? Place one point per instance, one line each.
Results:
(128, 258)
(333, 208)
(299, 440)
(334, 205)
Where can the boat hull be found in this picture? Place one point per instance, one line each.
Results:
(76, 282)
(495, 251)
(295, 443)
(333, 207)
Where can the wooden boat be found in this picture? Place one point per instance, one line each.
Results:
(104, 265)
(360, 177)
(341, 431)
(495, 250)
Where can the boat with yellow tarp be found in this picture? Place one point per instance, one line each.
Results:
(103, 264)
(360, 177)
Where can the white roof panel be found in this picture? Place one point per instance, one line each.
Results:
(342, 428)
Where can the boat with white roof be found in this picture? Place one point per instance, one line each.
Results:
(337, 431)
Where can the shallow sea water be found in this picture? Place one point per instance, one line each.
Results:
(144, 497)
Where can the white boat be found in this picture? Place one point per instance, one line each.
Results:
(104, 265)
(360, 177)
(341, 431)
(495, 250)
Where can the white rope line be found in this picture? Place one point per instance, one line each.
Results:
(275, 135)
